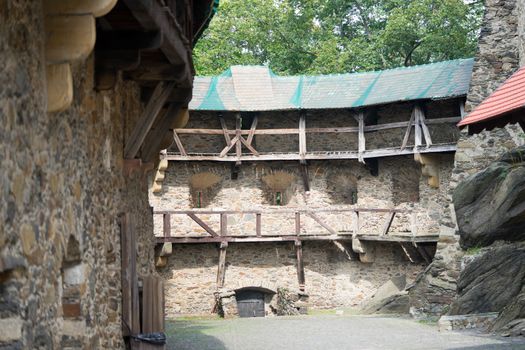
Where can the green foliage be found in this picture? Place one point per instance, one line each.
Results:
(335, 36)
(473, 250)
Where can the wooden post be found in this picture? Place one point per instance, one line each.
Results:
(179, 144)
(302, 137)
(297, 223)
(258, 224)
(424, 127)
(129, 280)
(362, 142)
(355, 223)
(167, 225)
(224, 224)
(238, 145)
(417, 129)
(409, 129)
(221, 270)
(153, 107)
(388, 223)
(225, 131)
(462, 109)
(252, 131)
(300, 265)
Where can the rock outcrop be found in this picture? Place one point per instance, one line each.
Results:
(492, 280)
(390, 298)
(490, 205)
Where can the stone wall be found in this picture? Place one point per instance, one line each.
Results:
(63, 188)
(328, 183)
(499, 54)
(332, 281)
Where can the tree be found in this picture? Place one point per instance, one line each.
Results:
(335, 36)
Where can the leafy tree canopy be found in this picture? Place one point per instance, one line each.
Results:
(337, 36)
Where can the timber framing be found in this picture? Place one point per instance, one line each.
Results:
(235, 141)
(327, 233)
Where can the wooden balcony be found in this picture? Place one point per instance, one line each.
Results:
(239, 140)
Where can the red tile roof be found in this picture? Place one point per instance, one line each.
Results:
(499, 108)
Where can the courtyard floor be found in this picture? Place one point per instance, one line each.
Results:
(325, 332)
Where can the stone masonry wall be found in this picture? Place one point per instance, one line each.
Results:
(328, 180)
(499, 54)
(332, 281)
(62, 189)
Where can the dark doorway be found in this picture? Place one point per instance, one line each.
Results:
(250, 303)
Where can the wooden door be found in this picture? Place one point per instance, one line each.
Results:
(250, 303)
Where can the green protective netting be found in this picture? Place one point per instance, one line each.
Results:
(257, 88)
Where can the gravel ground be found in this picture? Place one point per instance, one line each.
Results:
(325, 332)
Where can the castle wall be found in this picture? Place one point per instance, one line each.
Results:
(332, 280)
(63, 188)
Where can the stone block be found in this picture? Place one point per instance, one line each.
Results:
(10, 329)
(75, 274)
(74, 328)
(457, 322)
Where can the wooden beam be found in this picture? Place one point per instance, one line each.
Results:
(221, 269)
(298, 223)
(226, 149)
(376, 153)
(224, 131)
(238, 147)
(409, 129)
(251, 133)
(424, 127)
(302, 137)
(289, 238)
(203, 225)
(144, 124)
(166, 219)
(462, 109)
(224, 224)
(388, 223)
(362, 142)
(300, 264)
(179, 144)
(249, 146)
(258, 224)
(320, 222)
(152, 145)
(417, 129)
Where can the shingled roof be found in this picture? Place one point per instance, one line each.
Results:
(505, 105)
(257, 88)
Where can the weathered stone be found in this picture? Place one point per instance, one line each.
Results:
(27, 238)
(458, 322)
(491, 281)
(10, 329)
(75, 274)
(389, 297)
(490, 206)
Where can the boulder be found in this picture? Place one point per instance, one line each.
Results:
(390, 298)
(491, 281)
(490, 205)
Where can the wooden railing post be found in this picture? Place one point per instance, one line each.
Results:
(300, 265)
(413, 223)
(167, 225)
(297, 223)
(355, 222)
(258, 224)
(224, 224)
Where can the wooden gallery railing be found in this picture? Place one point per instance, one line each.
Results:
(236, 140)
(413, 244)
(223, 235)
